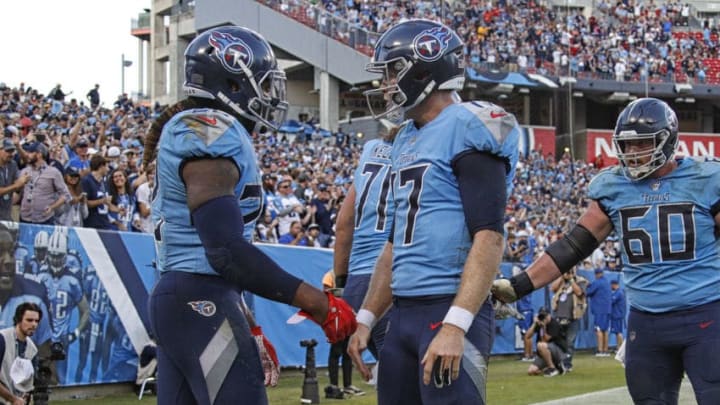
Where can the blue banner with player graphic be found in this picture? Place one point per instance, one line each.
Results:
(93, 288)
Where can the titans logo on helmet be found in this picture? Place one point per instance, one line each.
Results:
(232, 52)
(430, 44)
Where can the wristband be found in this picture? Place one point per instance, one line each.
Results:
(521, 284)
(460, 317)
(366, 318)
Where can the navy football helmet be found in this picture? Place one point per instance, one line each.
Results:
(651, 123)
(237, 67)
(414, 58)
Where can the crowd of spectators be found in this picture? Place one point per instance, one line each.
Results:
(70, 164)
(624, 40)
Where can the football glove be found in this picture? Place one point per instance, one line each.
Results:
(503, 290)
(340, 322)
(268, 357)
(505, 311)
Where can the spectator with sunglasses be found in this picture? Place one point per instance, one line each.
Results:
(45, 190)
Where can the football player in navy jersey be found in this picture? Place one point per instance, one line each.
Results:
(452, 168)
(208, 190)
(667, 213)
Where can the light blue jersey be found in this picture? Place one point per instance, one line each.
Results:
(670, 248)
(373, 208)
(199, 133)
(64, 293)
(431, 240)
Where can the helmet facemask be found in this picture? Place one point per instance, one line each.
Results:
(266, 103)
(389, 94)
(654, 152)
(56, 261)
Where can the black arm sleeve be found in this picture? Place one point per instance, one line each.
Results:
(481, 179)
(219, 223)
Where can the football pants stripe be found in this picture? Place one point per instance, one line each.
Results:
(217, 358)
(475, 366)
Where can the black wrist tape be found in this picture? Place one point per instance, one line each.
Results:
(521, 284)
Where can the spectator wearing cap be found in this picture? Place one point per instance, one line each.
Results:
(324, 209)
(313, 236)
(81, 158)
(295, 235)
(98, 198)
(45, 190)
(74, 211)
(600, 294)
(112, 155)
(142, 220)
(289, 208)
(10, 181)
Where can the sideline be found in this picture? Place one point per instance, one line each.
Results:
(617, 396)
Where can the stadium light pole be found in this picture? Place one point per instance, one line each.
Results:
(123, 64)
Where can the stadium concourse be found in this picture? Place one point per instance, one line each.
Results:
(657, 41)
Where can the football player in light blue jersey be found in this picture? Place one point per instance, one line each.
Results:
(207, 191)
(92, 337)
(362, 228)
(64, 295)
(452, 168)
(667, 214)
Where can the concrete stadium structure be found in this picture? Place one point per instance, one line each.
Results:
(324, 61)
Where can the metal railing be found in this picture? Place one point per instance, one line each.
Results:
(324, 22)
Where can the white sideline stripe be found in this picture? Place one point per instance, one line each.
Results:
(116, 290)
(589, 395)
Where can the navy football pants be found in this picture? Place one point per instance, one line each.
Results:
(413, 324)
(206, 354)
(660, 347)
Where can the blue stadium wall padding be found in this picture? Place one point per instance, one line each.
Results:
(121, 267)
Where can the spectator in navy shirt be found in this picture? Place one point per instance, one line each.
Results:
(98, 198)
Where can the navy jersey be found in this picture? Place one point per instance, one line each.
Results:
(373, 208)
(64, 293)
(192, 134)
(669, 244)
(431, 240)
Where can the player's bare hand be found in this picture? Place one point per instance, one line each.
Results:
(442, 359)
(503, 290)
(357, 344)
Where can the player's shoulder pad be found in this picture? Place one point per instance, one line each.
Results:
(603, 179)
(31, 284)
(496, 119)
(206, 123)
(376, 149)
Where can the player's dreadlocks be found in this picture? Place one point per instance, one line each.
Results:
(153, 135)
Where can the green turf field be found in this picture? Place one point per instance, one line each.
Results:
(508, 384)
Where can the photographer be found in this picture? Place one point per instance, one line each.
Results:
(569, 304)
(551, 349)
(17, 351)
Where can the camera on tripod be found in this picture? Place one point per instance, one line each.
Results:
(44, 373)
(308, 343)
